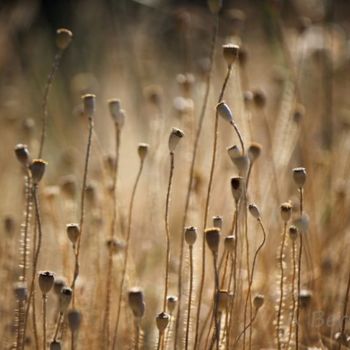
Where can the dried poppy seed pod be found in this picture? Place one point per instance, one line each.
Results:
(73, 232)
(229, 243)
(293, 233)
(89, 102)
(299, 176)
(142, 150)
(286, 211)
(74, 320)
(218, 221)
(63, 38)
(214, 6)
(224, 111)
(258, 301)
(305, 297)
(37, 169)
(234, 152)
(55, 345)
(46, 280)
(230, 52)
(259, 98)
(171, 303)
(190, 235)
(237, 187)
(212, 237)
(341, 338)
(136, 302)
(254, 211)
(254, 152)
(58, 284)
(21, 291)
(65, 298)
(22, 154)
(162, 321)
(117, 114)
(175, 136)
(223, 299)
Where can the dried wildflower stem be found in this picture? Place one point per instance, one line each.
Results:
(106, 321)
(58, 324)
(44, 320)
(239, 135)
(216, 302)
(125, 262)
(280, 305)
(82, 206)
(191, 174)
(245, 329)
(206, 212)
(253, 267)
(49, 81)
(345, 308)
(167, 230)
(189, 298)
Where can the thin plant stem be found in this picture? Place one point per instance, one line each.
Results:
(345, 308)
(82, 207)
(125, 261)
(58, 324)
(239, 135)
(245, 329)
(191, 174)
(207, 202)
(44, 320)
(189, 298)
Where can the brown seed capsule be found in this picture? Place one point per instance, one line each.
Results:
(171, 303)
(341, 338)
(229, 243)
(223, 300)
(258, 301)
(9, 225)
(299, 176)
(254, 211)
(214, 6)
(234, 152)
(63, 38)
(175, 136)
(286, 211)
(46, 280)
(162, 321)
(65, 298)
(21, 291)
(230, 52)
(22, 154)
(224, 111)
(89, 102)
(293, 233)
(142, 150)
(69, 186)
(58, 284)
(37, 169)
(259, 98)
(74, 320)
(305, 297)
(237, 187)
(218, 222)
(212, 237)
(190, 235)
(136, 302)
(254, 152)
(55, 345)
(73, 232)
(117, 114)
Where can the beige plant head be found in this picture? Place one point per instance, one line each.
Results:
(237, 187)
(254, 151)
(68, 185)
(74, 320)
(73, 232)
(116, 112)
(171, 303)
(142, 150)
(229, 243)
(223, 300)
(258, 301)
(254, 211)
(259, 98)
(21, 291)
(37, 169)
(234, 152)
(162, 321)
(46, 280)
(299, 176)
(136, 302)
(55, 345)
(212, 237)
(214, 6)
(286, 211)
(230, 52)
(65, 298)
(293, 233)
(305, 297)
(218, 221)
(175, 136)
(190, 235)
(58, 284)
(224, 111)
(63, 38)
(22, 154)
(89, 103)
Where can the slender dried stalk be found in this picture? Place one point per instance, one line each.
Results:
(125, 262)
(189, 298)
(44, 320)
(191, 174)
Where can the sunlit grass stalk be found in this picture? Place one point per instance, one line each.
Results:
(189, 299)
(191, 173)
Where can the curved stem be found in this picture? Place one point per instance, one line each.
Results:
(125, 262)
(239, 136)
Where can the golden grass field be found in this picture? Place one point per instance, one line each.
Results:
(175, 175)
